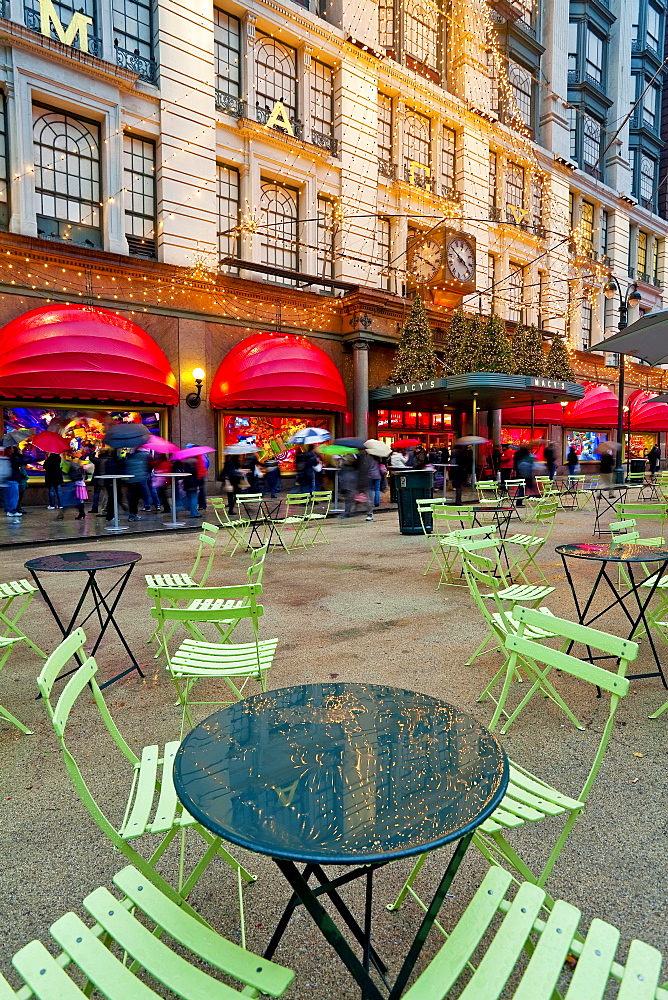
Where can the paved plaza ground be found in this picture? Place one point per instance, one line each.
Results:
(358, 609)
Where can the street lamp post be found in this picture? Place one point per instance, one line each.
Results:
(630, 297)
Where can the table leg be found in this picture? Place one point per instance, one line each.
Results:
(101, 598)
(65, 630)
(116, 526)
(642, 608)
(174, 523)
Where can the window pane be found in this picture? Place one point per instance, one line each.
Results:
(133, 26)
(448, 149)
(227, 42)
(139, 190)
(493, 164)
(384, 253)
(385, 127)
(653, 28)
(279, 232)
(642, 252)
(322, 96)
(326, 234)
(514, 191)
(417, 149)
(586, 323)
(4, 165)
(275, 74)
(521, 88)
(229, 241)
(591, 143)
(515, 285)
(421, 23)
(594, 60)
(572, 46)
(386, 24)
(647, 175)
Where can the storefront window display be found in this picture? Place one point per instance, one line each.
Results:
(517, 436)
(433, 429)
(83, 427)
(270, 434)
(639, 444)
(586, 443)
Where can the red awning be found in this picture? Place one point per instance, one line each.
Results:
(82, 352)
(597, 408)
(278, 371)
(646, 415)
(544, 413)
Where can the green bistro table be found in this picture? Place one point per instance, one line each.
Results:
(343, 774)
(630, 556)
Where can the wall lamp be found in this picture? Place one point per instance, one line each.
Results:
(193, 399)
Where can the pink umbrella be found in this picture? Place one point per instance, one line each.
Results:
(48, 441)
(159, 445)
(202, 449)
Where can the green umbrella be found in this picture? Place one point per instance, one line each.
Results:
(337, 449)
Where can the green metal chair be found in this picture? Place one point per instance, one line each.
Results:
(643, 512)
(195, 659)
(128, 953)
(322, 501)
(16, 596)
(236, 529)
(152, 806)
(488, 490)
(425, 507)
(503, 947)
(528, 799)
(298, 507)
(6, 646)
(530, 545)
(453, 544)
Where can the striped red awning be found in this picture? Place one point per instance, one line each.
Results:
(597, 408)
(646, 415)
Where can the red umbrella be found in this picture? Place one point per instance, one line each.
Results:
(406, 443)
(159, 445)
(48, 441)
(202, 449)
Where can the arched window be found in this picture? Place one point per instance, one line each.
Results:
(521, 89)
(421, 30)
(417, 149)
(279, 212)
(275, 74)
(67, 177)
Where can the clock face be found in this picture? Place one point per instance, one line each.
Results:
(425, 260)
(460, 259)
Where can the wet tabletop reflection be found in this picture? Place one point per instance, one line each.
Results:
(340, 773)
(614, 551)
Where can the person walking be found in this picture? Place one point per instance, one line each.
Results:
(507, 464)
(654, 459)
(77, 476)
(550, 456)
(368, 481)
(607, 467)
(305, 467)
(458, 470)
(272, 476)
(53, 479)
(136, 465)
(191, 489)
(112, 467)
(98, 470)
(398, 459)
(161, 465)
(348, 483)
(16, 461)
(230, 476)
(524, 460)
(572, 461)
(201, 470)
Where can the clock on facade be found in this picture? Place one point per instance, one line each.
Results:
(460, 258)
(425, 259)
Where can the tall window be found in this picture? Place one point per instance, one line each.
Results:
(384, 253)
(4, 164)
(653, 28)
(322, 102)
(586, 323)
(587, 225)
(514, 192)
(491, 279)
(386, 24)
(592, 134)
(492, 194)
(227, 44)
(279, 209)
(421, 24)
(65, 9)
(385, 128)
(417, 149)
(647, 180)
(655, 260)
(67, 176)
(515, 288)
(537, 202)
(604, 231)
(275, 75)
(521, 87)
(572, 115)
(651, 106)
(573, 49)
(133, 36)
(448, 153)
(642, 253)
(229, 206)
(325, 227)
(140, 203)
(594, 57)
(542, 299)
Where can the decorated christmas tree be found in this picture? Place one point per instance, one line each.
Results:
(469, 355)
(416, 358)
(494, 352)
(453, 343)
(527, 351)
(557, 362)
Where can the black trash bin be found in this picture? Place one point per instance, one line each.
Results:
(412, 485)
(638, 465)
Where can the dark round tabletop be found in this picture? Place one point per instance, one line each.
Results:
(69, 562)
(611, 552)
(340, 773)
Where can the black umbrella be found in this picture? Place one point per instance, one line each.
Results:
(127, 435)
(646, 338)
(350, 442)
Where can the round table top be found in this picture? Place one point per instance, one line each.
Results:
(612, 552)
(176, 475)
(69, 562)
(610, 489)
(340, 773)
(117, 475)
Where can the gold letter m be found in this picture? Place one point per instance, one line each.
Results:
(77, 26)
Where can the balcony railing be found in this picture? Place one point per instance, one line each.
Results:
(632, 272)
(387, 169)
(450, 193)
(4, 8)
(33, 21)
(230, 105)
(494, 213)
(325, 141)
(416, 178)
(145, 68)
(573, 76)
(262, 115)
(644, 276)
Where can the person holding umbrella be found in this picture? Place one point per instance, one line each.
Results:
(375, 451)
(305, 465)
(53, 479)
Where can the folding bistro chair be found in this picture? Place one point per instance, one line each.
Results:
(456, 542)
(195, 659)
(424, 509)
(643, 512)
(236, 529)
(528, 799)
(150, 778)
(6, 646)
(298, 508)
(530, 545)
(127, 953)
(15, 599)
(322, 501)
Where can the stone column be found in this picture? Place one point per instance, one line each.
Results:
(361, 387)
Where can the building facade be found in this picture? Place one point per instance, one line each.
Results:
(215, 170)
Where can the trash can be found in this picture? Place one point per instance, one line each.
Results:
(392, 476)
(638, 465)
(412, 485)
